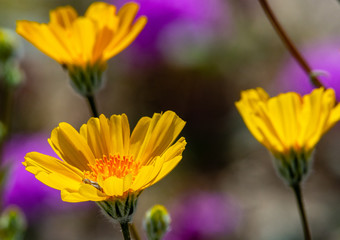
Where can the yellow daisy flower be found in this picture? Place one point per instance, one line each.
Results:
(83, 44)
(289, 125)
(103, 162)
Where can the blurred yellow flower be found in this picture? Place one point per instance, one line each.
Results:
(289, 125)
(84, 44)
(103, 162)
(87, 40)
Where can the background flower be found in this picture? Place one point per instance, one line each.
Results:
(22, 189)
(185, 26)
(323, 57)
(203, 216)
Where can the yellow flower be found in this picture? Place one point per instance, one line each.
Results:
(289, 125)
(85, 43)
(103, 162)
(87, 40)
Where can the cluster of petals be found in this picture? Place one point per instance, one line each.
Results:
(104, 161)
(91, 39)
(289, 121)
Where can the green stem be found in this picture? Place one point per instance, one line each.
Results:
(92, 105)
(299, 199)
(289, 44)
(125, 230)
(134, 232)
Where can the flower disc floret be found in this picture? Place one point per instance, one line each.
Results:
(112, 166)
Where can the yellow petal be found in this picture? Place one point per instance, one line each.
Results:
(119, 43)
(53, 172)
(120, 134)
(127, 182)
(71, 146)
(93, 138)
(163, 130)
(82, 40)
(41, 36)
(91, 193)
(63, 16)
(170, 159)
(138, 136)
(126, 31)
(68, 196)
(103, 14)
(113, 186)
(145, 175)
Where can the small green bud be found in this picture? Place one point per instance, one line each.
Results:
(156, 222)
(12, 224)
(11, 74)
(9, 44)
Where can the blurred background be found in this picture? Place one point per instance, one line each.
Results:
(193, 57)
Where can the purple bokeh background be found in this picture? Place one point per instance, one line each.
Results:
(173, 24)
(203, 215)
(324, 57)
(22, 188)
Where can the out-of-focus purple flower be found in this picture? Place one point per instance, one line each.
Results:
(203, 215)
(176, 22)
(324, 59)
(21, 188)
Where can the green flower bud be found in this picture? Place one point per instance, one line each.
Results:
(156, 222)
(12, 224)
(11, 74)
(9, 44)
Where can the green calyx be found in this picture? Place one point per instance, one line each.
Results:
(120, 209)
(294, 167)
(86, 80)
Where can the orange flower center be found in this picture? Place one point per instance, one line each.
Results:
(112, 166)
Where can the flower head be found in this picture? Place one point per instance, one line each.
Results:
(289, 125)
(103, 162)
(83, 44)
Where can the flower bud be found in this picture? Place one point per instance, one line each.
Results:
(156, 222)
(12, 224)
(8, 44)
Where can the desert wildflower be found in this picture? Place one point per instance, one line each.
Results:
(289, 125)
(104, 163)
(83, 44)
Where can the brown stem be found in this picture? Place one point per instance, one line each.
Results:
(134, 232)
(289, 44)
